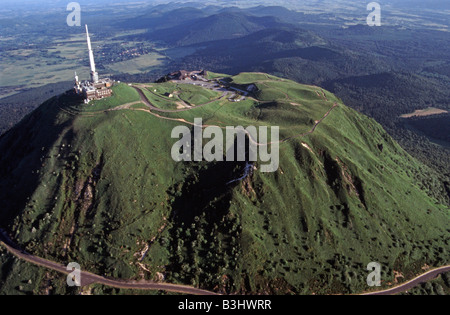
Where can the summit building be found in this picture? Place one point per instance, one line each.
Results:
(95, 88)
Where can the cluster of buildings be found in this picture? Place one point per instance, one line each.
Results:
(187, 75)
(96, 88)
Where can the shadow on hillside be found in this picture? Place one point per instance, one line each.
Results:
(24, 151)
(201, 216)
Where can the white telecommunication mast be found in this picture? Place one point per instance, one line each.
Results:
(94, 74)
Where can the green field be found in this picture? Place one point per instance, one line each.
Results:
(137, 65)
(35, 67)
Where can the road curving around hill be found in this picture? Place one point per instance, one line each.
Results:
(88, 278)
(425, 277)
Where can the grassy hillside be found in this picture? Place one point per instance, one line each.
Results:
(99, 187)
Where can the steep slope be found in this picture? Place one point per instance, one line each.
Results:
(97, 185)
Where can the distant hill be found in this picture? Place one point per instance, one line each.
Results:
(282, 13)
(406, 92)
(156, 19)
(299, 54)
(212, 28)
(14, 108)
(430, 4)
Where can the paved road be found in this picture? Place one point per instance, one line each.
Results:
(147, 102)
(90, 278)
(427, 276)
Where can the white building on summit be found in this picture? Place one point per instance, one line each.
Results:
(95, 88)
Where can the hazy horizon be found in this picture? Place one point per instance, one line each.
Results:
(429, 4)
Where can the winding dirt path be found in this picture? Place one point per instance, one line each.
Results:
(147, 102)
